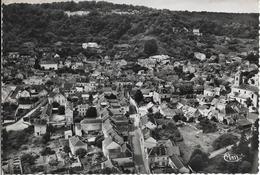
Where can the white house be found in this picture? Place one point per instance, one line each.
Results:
(196, 32)
(82, 109)
(24, 94)
(47, 65)
(90, 45)
(39, 129)
(68, 134)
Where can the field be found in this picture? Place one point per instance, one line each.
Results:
(195, 139)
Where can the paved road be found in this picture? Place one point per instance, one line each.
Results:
(139, 154)
(20, 124)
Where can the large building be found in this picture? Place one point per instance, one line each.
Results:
(245, 91)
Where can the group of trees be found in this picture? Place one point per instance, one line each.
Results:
(224, 140)
(49, 24)
(198, 160)
(207, 126)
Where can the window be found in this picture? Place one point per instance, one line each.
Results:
(252, 96)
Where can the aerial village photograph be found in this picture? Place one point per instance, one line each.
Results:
(129, 87)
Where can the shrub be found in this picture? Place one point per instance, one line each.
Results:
(224, 140)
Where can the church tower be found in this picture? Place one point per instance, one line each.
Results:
(238, 79)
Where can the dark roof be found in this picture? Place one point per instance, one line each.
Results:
(88, 121)
(177, 162)
(248, 87)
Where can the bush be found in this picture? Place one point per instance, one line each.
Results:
(81, 152)
(224, 140)
(47, 151)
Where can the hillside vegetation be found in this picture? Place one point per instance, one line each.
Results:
(47, 24)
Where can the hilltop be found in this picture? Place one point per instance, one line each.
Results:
(109, 24)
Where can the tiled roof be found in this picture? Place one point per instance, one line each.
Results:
(75, 141)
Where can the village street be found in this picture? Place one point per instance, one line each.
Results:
(20, 124)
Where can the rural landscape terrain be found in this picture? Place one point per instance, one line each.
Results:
(102, 88)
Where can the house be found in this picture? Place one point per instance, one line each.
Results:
(150, 142)
(75, 143)
(78, 130)
(190, 113)
(40, 128)
(47, 65)
(176, 163)
(35, 80)
(210, 91)
(200, 56)
(68, 134)
(24, 94)
(157, 156)
(67, 63)
(90, 125)
(242, 92)
(82, 109)
(117, 151)
(196, 32)
(57, 97)
(69, 114)
(90, 45)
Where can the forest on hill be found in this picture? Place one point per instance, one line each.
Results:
(47, 24)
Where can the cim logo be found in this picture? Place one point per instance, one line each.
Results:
(231, 157)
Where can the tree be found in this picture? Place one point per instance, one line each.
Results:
(248, 102)
(81, 152)
(66, 149)
(242, 147)
(132, 109)
(138, 96)
(98, 141)
(91, 112)
(47, 151)
(46, 138)
(224, 140)
(5, 138)
(254, 139)
(50, 129)
(53, 162)
(245, 167)
(90, 99)
(196, 163)
(198, 160)
(28, 158)
(150, 47)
